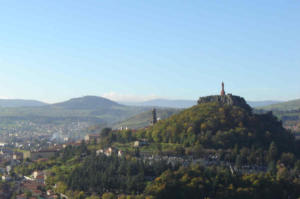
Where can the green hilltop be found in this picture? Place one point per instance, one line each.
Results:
(221, 125)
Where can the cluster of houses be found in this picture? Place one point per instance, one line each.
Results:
(110, 151)
(33, 186)
(140, 143)
(27, 186)
(92, 138)
(8, 160)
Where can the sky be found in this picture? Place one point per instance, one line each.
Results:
(137, 50)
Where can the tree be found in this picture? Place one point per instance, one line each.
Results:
(109, 196)
(93, 197)
(238, 161)
(282, 173)
(272, 152)
(272, 167)
(28, 194)
(180, 150)
(297, 166)
(79, 195)
(158, 148)
(61, 187)
(288, 159)
(105, 132)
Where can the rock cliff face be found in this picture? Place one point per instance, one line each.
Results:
(228, 99)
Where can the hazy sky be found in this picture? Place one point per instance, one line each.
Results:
(141, 49)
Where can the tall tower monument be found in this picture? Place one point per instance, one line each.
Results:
(222, 91)
(154, 117)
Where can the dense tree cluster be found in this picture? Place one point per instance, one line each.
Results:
(6, 190)
(202, 183)
(99, 173)
(122, 136)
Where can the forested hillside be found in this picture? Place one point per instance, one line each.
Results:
(213, 125)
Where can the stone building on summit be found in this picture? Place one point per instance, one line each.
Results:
(224, 99)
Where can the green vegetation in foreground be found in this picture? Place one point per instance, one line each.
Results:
(199, 182)
(79, 173)
(233, 135)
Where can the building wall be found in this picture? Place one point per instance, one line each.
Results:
(26, 154)
(38, 155)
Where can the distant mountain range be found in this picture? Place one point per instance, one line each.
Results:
(89, 108)
(97, 102)
(187, 103)
(256, 104)
(283, 106)
(20, 103)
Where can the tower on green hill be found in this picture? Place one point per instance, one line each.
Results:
(224, 99)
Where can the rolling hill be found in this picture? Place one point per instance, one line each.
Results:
(256, 104)
(284, 106)
(89, 108)
(20, 103)
(87, 102)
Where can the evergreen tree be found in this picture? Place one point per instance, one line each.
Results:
(272, 152)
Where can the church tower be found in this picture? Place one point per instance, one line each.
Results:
(222, 91)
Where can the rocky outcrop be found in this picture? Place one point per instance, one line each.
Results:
(228, 99)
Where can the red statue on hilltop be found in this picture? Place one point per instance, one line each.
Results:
(222, 91)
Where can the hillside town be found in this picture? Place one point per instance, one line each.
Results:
(34, 185)
(27, 135)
